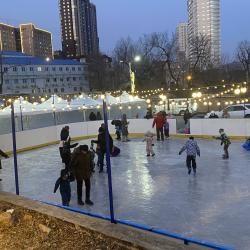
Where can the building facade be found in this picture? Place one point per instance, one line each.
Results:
(78, 28)
(24, 74)
(35, 42)
(182, 38)
(9, 38)
(204, 18)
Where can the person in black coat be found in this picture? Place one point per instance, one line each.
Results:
(64, 183)
(2, 154)
(66, 152)
(101, 141)
(92, 116)
(64, 135)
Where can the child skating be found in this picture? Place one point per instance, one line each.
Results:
(64, 183)
(149, 139)
(224, 141)
(192, 149)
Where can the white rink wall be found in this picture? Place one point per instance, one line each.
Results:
(31, 138)
(210, 127)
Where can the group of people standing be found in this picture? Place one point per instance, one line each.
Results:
(78, 167)
(162, 126)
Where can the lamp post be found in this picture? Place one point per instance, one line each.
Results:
(189, 79)
(132, 73)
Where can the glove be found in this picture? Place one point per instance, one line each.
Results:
(179, 153)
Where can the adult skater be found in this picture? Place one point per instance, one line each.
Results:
(224, 141)
(124, 128)
(159, 122)
(82, 170)
(192, 149)
(2, 154)
(102, 150)
(64, 135)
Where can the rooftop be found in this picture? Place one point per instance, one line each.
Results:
(18, 58)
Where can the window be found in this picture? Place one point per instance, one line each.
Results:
(238, 108)
(80, 88)
(33, 80)
(74, 79)
(14, 69)
(61, 79)
(67, 69)
(55, 80)
(49, 90)
(39, 69)
(60, 69)
(68, 79)
(5, 69)
(55, 90)
(75, 88)
(31, 69)
(47, 69)
(24, 81)
(73, 68)
(23, 69)
(47, 80)
(62, 90)
(79, 69)
(54, 68)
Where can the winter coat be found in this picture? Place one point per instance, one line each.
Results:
(64, 134)
(224, 139)
(101, 141)
(124, 127)
(159, 121)
(191, 148)
(81, 165)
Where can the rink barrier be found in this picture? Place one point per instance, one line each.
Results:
(176, 136)
(186, 240)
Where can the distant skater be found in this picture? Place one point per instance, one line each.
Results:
(224, 141)
(2, 154)
(166, 129)
(192, 149)
(64, 183)
(149, 139)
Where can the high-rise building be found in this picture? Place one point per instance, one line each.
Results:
(79, 28)
(182, 38)
(35, 42)
(9, 38)
(204, 19)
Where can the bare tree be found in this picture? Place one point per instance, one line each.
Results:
(200, 53)
(162, 48)
(243, 55)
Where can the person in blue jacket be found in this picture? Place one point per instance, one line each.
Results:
(64, 183)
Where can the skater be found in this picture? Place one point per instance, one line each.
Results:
(81, 168)
(246, 145)
(2, 154)
(66, 152)
(224, 141)
(118, 128)
(192, 150)
(159, 122)
(64, 183)
(124, 128)
(166, 129)
(92, 157)
(149, 139)
(101, 144)
(63, 137)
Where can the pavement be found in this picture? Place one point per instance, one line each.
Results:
(214, 205)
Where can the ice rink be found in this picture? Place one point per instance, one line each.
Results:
(214, 205)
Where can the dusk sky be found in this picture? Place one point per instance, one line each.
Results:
(122, 18)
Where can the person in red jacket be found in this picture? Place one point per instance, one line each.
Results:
(159, 122)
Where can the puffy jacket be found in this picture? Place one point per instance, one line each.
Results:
(159, 121)
(81, 165)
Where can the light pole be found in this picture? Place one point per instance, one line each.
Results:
(132, 73)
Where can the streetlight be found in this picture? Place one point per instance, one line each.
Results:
(131, 72)
(189, 79)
